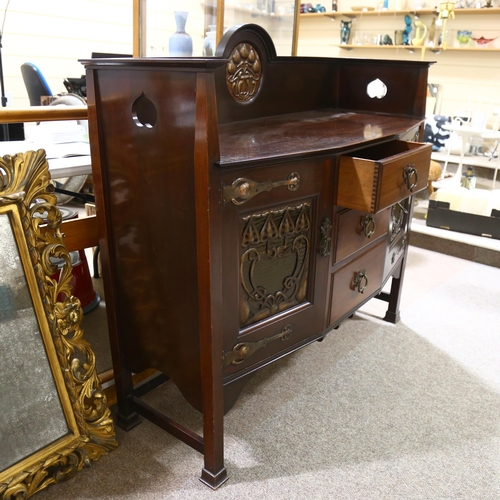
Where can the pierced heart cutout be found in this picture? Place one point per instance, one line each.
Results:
(144, 112)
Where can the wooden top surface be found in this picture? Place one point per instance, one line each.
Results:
(311, 133)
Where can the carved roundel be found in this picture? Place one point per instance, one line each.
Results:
(244, 73)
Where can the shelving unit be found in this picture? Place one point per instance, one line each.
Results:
(411, 48)
(375, 13)
(358, 14)
(459, 70)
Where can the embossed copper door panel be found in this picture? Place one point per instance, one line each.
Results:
(276, 259)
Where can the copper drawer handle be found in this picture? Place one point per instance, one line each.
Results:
(242, 190)
(360, 281)
(368, 224)
(410, 175)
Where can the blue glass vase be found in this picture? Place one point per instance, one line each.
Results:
(180, 44)
(345, 32)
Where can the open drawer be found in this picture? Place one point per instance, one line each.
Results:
(382, 175)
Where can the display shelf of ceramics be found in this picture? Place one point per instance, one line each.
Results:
(412, 48)
(373, 13)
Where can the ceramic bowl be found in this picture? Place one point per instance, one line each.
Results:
(483, 42)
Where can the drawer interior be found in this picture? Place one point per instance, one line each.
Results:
(379, 176)
(383, 152)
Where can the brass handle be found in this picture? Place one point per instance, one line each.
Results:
(360, 281)
(410, 175)
(325, 242)
(402, 208)
(242, 351)
(242, 190)
(368, 225)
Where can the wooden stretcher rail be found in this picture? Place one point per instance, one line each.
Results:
(43, 113)
(80, 233)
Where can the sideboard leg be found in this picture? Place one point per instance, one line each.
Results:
(126, 418)
(210, 268)
(214, 480)
(128, 422)
(392, 314)
(214, 472)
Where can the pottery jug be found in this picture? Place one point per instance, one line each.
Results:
(420, 32)
(180, 43)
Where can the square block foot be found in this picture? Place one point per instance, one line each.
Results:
(391, 317)
(128, 422)
(214, 480)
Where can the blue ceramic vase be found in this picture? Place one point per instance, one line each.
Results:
(180, 44)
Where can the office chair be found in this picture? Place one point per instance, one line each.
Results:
(35, 83)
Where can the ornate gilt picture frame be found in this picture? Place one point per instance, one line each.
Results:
(54, 418)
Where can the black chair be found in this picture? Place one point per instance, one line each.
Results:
(35, 83)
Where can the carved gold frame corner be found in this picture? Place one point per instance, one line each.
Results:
(24, 194)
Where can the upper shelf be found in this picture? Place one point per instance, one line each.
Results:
(352, 13)
(412, 48)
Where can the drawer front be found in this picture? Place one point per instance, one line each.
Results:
(382, 175)
(356, 281)
(276, 257)
(358, 229)
(394, 254)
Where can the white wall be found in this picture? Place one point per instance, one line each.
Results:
(54, 34)
(460, 73)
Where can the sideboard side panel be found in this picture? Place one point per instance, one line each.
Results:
(148, 179)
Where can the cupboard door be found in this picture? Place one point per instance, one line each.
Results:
(276, 254)
(397, 239)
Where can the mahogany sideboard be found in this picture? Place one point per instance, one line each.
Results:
(247, 204)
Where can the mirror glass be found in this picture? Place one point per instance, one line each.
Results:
(31, 415)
